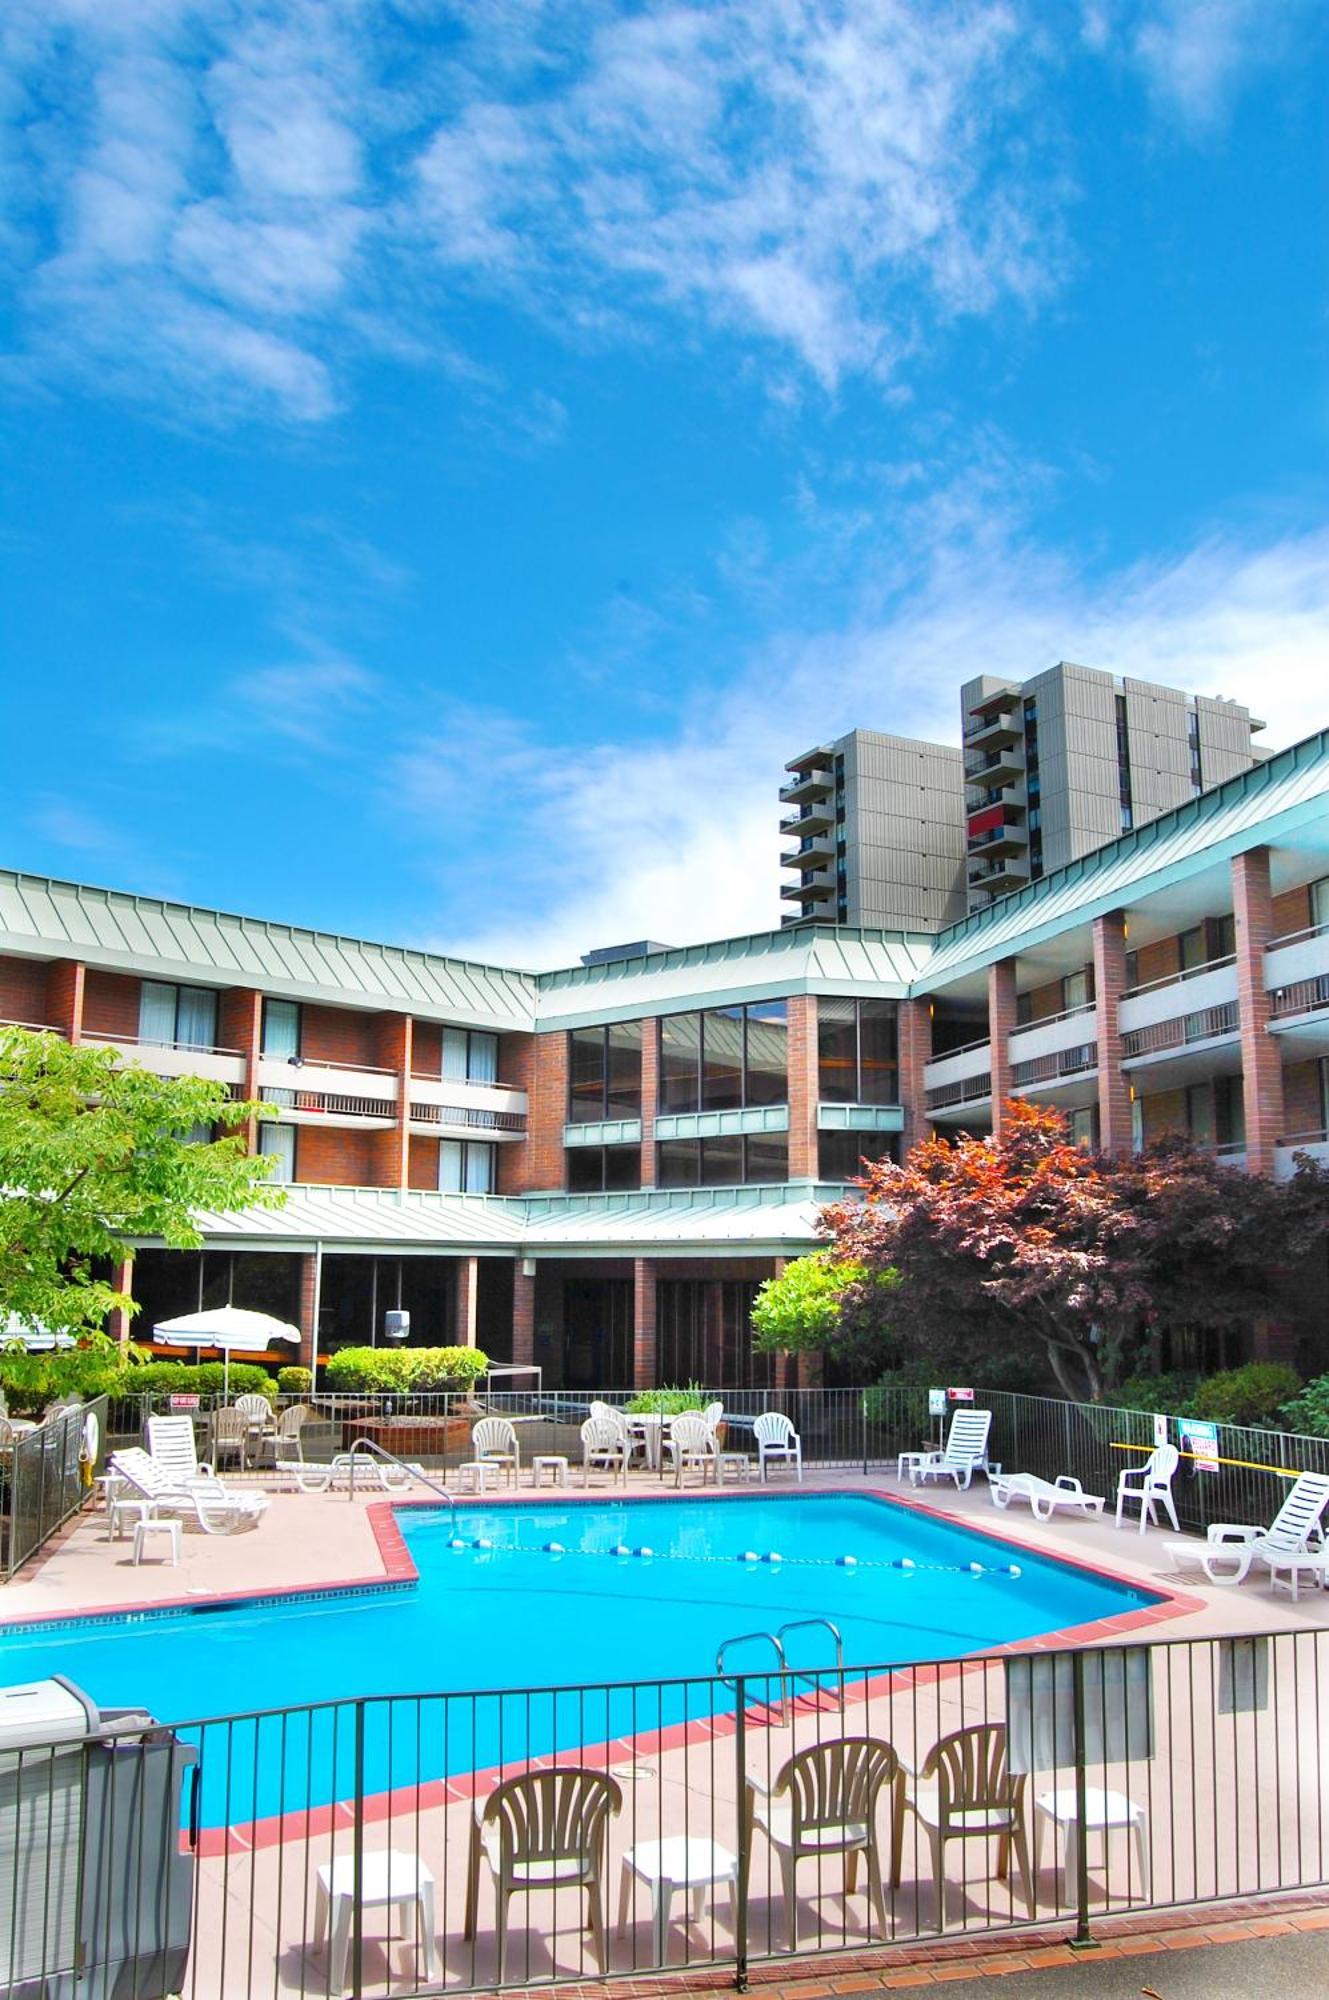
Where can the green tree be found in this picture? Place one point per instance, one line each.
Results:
(825, 1301)
(94, 1150)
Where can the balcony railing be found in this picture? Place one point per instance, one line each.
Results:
(1303, 996)
(328, 1103)
(1203, 1026)
(966, 1090)
(475, 1117)
(1175, 978)
(1053, 1068)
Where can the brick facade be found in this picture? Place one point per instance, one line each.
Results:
(1114, 1097)
(802, 1087)
(1303, 1105)
(643, 1323)
(338, 1035)
(523, 1315)
(1261, 1058)
(1001, 1022)
(240, 1027)
(23, 987)
(915, 1053)
(393, 1049)
(110, 1003)
(468, 1301)
(537, 1166)
(650, 1097)
(308, 1310)
(330, 1156)
(422, 1164)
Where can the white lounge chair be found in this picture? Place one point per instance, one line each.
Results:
(495, 1438)
(171, 1444)
(778, 1443)
(1151, 1485)
(965, 1451)
(1292, 1544)
(1044, 1495)
(217, 1509)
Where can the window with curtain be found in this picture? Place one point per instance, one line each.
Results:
(469, 1056)
(183, 1017)
(277, 1142)
(467, 1166)
(281, 1029)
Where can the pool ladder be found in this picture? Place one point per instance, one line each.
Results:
(371, 1448)
(786, 1674)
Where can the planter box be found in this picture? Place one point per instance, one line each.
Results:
(411, 1437)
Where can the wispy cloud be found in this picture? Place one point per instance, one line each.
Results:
(1196, 55)
(308, 709)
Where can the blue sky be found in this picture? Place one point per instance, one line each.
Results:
(452, 456)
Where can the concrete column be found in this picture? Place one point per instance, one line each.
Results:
(1001, 1022)
(1261, 1058)
(1114, 1097)
(309, 1311)
(468, 1288)
(64, 998)
(523, 1314)
(123, 1279)
(650, 1097)
(644, 1350)
(802, 1087)
(915, 1052)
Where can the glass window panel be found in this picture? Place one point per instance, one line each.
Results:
(1319, 902)
(156, 1013)
(722, 1059)
(722, 1161)
(622, 1168)
(623, 1080)
(450, 1166)
(1193, 948)
(281, 1028)
(455, 1054)
(483, 1058)
(586, 1075)
(678, 1162)
(585, 1169)
(1075, 990)
(196, 1018)
(680, 1058)
(878, 1077)
(479, 1168)
(837, 1051)
(768, 1053)
(277, 1142)
(767, 1157)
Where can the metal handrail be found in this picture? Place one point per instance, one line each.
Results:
(813, 1675)
(1176, 978)
(390, 1457)
(745, 1639)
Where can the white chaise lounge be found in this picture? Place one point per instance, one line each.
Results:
(1292, 1546)
(217, 1509)
(1044, 1495)
(965, 1451)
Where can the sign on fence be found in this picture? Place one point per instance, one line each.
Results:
(961, 1395)
(1201, 1441)
(1160, 1431)
(936, 1402)
(185, 1402)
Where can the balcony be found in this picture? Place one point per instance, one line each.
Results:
(817, 854)
(1055, 1034)
(999, 876)
(1002, 841)
(817, 886)
(996, 731)
(817, 783)
(998, 767)
(1075, 1067)
(175, 1058)
(812, 819)
(1169, 1019)
(441, 1107)
(959, 1082)
(1296, 973)
(360, 1098)
(1202, 1027)
(1315, 1144)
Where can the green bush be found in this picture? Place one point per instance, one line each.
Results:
(294, 1381)
(1168, 1395)
(1309, 1412)
(1250, 1395)
(401, 1371)
(96, 1367)
(202, 1378)
(668, 1402)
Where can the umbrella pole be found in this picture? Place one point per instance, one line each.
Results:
(226, 1374)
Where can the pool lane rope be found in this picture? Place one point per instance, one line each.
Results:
(904, 1565)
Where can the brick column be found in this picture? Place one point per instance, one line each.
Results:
(1001, 1022)
(1261, 1058)
(810, 1369)
(915, 1052)
(650, 1097)
(392, 1150)
(644, 1355)
(468, 1289)
(308, 1310)
(802, 1087)
(64, 998)
(240, 1027)
(123, 1279)
(1114, 1097)
(536, 1166)
(523, 1314)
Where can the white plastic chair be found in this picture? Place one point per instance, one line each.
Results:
(172, 1445)
(691, 1446)
(965, 1451)
(1151, 1485)
(230, 1433)
(823, 1802)
(495, 1438)
(542, 1831)
(602, 1449)
(967, 1791)
(1293, 1541)
(778, 1443)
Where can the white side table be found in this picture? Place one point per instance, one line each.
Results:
(475, 1475)
(908, 1462)
(389, 1880)
(154, 1524)
(125, 1507)
(552, 1463)
(679, 1862)
(1104, 1813)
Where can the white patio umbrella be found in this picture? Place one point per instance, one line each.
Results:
(231, 1328)
(38, 1339)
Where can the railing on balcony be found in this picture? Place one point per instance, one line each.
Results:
(475, 1117)
(1054, 1067)
(328, 1103)
(966, 1090)
(150, 1042)
(1175, 978)
(1203, 1026)
(1303, 996)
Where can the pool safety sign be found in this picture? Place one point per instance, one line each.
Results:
(1201, 1441)
(960, 1395)
(936, 1402)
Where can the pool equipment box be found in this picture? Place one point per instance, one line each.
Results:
(93, 1872)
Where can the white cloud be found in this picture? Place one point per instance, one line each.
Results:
(300, 708)
(604, 840)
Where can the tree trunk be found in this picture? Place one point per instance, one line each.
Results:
(1087, 1391)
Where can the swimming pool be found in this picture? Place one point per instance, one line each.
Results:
(515, 1615)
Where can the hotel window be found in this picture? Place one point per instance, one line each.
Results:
(1319, 902)
(467, 1166)
(1077, 989)
(603, 1169)
(469, 1056)
(281, 1029)
(857, 1051)
(726, 1059)
(177, 1017)
(1192, 949)
(277, 1142)
(604, 1072)
(1082, 1127)
(840, 1155)
(729, 1160)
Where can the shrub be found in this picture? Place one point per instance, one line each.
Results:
(668, 1402)
(187, 1378)
(1250, 1395)
(96, 1367)
(1169, 1395)
(294, 1381)
(403, 1371)
(1309, 1412)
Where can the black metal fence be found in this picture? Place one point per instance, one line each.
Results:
(45, 1476)
(448, 1842)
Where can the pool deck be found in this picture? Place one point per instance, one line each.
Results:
(253, 1924)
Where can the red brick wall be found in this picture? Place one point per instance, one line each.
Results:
(426, 1048)
(803, 1084)
(423, 1164)
(1044, 1001)
(650, 1097)
(644, 1346)
(523, 1316)
(337, 1035)
(1159, 960)
(1001, 1020)
(1261, 1058)
(1301, 1098)
(1114, 1104)
(1292, 911)
(65, 984)
(1164, 1111)
(538, 1164)
(240, 1026)
(110, 1003)
(915, 1051)
(23, 991)
(335, 1158)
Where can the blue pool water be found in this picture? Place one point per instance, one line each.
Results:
(514, 1616)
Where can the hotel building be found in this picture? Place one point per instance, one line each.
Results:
(593, 1168)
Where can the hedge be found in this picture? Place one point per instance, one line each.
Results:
(404, 1370)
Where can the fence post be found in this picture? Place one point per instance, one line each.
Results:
(744, 1835)
(1083, 1939)
(358, 1858)
(863, 1408)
